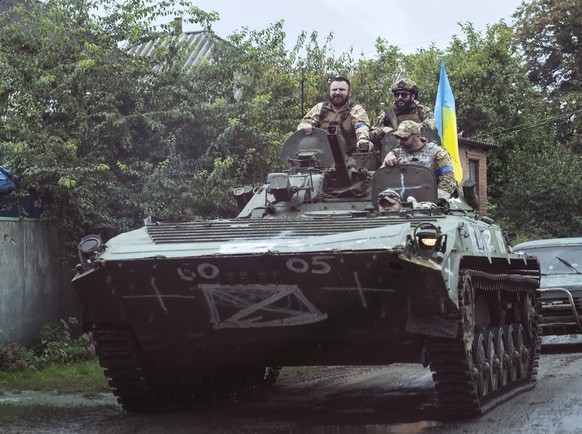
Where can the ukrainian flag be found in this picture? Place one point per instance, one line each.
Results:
(446, 119)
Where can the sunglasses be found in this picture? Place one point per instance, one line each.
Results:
(402, 95)
(390, 195)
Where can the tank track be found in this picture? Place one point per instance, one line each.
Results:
(480, 370)
(120, 357)
(142, 388)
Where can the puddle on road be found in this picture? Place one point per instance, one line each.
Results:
(400, 428)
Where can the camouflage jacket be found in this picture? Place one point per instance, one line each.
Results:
(436, 157)
(353, 119)
(417, 113)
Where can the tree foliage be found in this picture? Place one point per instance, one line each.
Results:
(550, 33)
(543, 198)
(495, 100)
(112, 138)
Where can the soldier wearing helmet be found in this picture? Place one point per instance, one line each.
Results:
(406, 108)
(339, 110)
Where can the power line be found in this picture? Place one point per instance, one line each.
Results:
(517, 128)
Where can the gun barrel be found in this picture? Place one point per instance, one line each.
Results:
(342, 175)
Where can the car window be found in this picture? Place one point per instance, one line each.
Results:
(558, 260)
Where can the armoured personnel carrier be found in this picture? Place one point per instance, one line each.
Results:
(310, 273)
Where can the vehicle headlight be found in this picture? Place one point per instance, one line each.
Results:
(429, 241)
(88, 246)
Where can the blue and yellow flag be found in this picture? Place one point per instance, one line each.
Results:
(446, 119)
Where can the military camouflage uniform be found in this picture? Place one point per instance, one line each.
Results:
(436, 157)
(429, 155)
(416, 112)
(353, 118)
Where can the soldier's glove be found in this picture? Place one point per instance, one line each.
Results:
(306, 127)
(364, 145)
(441, 201)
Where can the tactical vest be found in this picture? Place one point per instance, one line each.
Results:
(391, 119)
(327, 117)
(423, 157)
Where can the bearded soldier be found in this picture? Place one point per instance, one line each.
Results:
(339, 110)
(406, 108)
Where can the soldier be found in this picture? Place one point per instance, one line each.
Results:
(350, 117)
(406, 107)
(417, 150)
(389, 200)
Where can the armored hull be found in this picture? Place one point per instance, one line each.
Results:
(310, 273)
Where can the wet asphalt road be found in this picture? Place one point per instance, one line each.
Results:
(323, 400)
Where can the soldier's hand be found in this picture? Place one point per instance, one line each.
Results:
(387, 129)
(390, 160)
(307, 128)
(365, 145)
(441, 201)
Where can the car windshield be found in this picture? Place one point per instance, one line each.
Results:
(558, 260)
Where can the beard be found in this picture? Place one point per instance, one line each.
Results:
(402, 106)
(411, 144)
(338, 100)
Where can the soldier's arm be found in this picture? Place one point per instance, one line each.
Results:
(361, 122)
(445, 174)
(377, 132)
(311, 119)
(427, 118)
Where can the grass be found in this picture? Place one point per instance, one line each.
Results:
(81, 377)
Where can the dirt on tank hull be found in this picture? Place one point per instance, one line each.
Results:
(310, 273)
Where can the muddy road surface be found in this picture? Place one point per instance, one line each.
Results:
(322, 400)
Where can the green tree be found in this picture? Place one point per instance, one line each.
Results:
(110, 138)
(543, 197)
(550, 33)
(495, 100)
(373, 78)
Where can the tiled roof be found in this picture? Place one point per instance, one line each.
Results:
(200, 43)
(7, 4)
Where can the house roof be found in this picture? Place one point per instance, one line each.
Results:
(478, 143)
(201, 45)
(7, 4)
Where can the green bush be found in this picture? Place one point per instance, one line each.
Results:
(56, 346)
(15, 357)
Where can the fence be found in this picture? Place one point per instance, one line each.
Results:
(35, 285)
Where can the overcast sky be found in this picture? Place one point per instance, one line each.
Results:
(410, 25)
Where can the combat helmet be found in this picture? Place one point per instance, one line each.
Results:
(406, 84)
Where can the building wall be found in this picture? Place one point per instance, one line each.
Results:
(466, 153)
(35, 286)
